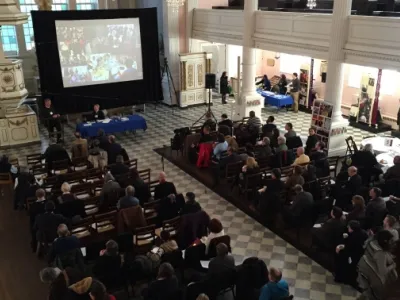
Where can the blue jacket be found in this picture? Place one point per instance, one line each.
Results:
(274, 290)
(127, 201)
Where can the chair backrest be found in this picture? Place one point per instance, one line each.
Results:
(105, 222)
(60, 165)
(152, 187)
(145, 175)
(33, 159)
(263, 162)
(212, 249)
(151, 211)
(94, 174)
(287, 171)
(253, 181)
(79, 162)
(132, 163)
(39, 169)
(144, 238)
(75, 177)
(83, 229)
(5, 178)
(172, 225)
(233, 169)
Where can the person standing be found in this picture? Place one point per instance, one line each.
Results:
(223, 87)
(294, 92)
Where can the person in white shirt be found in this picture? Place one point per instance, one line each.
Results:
(216, 230)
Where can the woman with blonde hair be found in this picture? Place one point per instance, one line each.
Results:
(66, 193)
(251, 166)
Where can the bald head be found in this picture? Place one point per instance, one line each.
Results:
(162, 177)
(352, 171)
(300, 151)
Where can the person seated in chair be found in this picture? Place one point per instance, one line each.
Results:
(119, 168)
(79, 146)
(220, 146)
(301, 157)
(393, 173)
(389, 224)
(222, 262)
(164, 187)
(253, 123)
(330, 233)
(129, 200)
(165, 286)
(113, 150)
(209, 122)
(51, 118)
(269, 126)
(310, 173)
(295, 179)
(302, 205)
(366, 162)
(266, 84)
(97, 114)
(311, 141)
(376, 208)
(53, 153)
(319, 158)
(358, 211)
(63, 244)
(346, 190)
(290, 132)
(220, 167)
(108, 266)
(276, 288)
(216, 230)
(264, 149)
(226, 122)
(191, 206)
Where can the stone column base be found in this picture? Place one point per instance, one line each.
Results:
(337, 140)
(247, 104)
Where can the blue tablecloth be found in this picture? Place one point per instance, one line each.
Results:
(275, 100)
(134, 122)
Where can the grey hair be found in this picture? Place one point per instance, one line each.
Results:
(65, 187)
(282, 139)
(266, 141)
(48, 275)
(130, 190)
(368, 148)
(62, 230)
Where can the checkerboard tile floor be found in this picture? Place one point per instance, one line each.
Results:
(307, 279)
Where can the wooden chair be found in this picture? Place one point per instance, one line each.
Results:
(29, 201)
(84, 231)
(60, 166)
(80, 163)
(91, 205)
(144, 239)
(263, 162)
(252, 183)
(76, 177)
(50, 183)
(152, 187)
(212, 249)
(94, 174)
(151, 211)
(82, 191)
(333, 164)
(171, 226)
(145, 175)
(286, 171)
(97, 186)
(33, 159)
(106, 224)
(39, 170)
(132, 163)
(325, 186)
(232, 170)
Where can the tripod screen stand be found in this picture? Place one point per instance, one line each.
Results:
(167, 71)
(208, 112)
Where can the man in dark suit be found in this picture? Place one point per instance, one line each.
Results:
(64, 243)
(269, 126)
(330, 233)
(119, 168)
(222, 262)
(114, 149)
(97, 114)
(55, 152)
(46, 224)
(349, 188)
(301, 206)
(104, 142)
(225, 121)
(164, 188)
(191, 205)
(231, 158)
(36, 209)
(311, 141)
(376, 209)
(51, 118)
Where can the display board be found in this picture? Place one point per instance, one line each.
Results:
(321, 120)
(366, 98)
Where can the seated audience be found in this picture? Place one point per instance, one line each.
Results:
(62, 252)
(59, 281)
(330, 233)
(290, 132)
(295, 179)
(358, 211)
(269, 126)
(301, 157)
(104, 141)
(220, 146)
(110, 186)
(319, 158)
(108, 266)
(232, 143)
(376, 208)
(232, 157)
(377, 267)
(89, 288)
(164, 187)
(55, 152)
(119, 168)
(251, 167)
(202, 297)
(249, 152)
(301, 207)
(346, 190)
(46, 224)
(281, 144)
(310, 173)
(209, 122)
(222, 262)
(252, 275)
(254, 122)
(269, 200)
(225, 121)
(191, 205)
(165, 286)
(215, 230)
(349, 252)
(129, 200)
(205, 135)
(264, 149)
(311, 141)
(142, 191)
(79, 146)
(168, 245)
(274, 138)
(276, 288)
(113, 150)
(388, 224)
(366, 163)
(66, 195)
(97, 156)
(393, 173)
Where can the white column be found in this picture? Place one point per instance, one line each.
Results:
(191, 5)
(171, 49)
(335, 75)
(249, 99)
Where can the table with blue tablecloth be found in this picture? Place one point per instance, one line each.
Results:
(277, 100)
(128, 123)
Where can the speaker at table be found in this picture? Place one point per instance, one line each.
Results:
(210, 81)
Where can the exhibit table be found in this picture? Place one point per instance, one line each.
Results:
(277, 100)
(386, 159)
(128, 123)
(382, 144)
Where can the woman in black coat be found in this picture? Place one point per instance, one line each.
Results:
(223, 87)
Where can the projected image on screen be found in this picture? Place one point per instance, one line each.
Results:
(99, 51)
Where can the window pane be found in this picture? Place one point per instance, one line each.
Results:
(87, 4)
(9, 39)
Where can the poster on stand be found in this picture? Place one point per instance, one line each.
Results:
(366, 98)
(321, 120)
